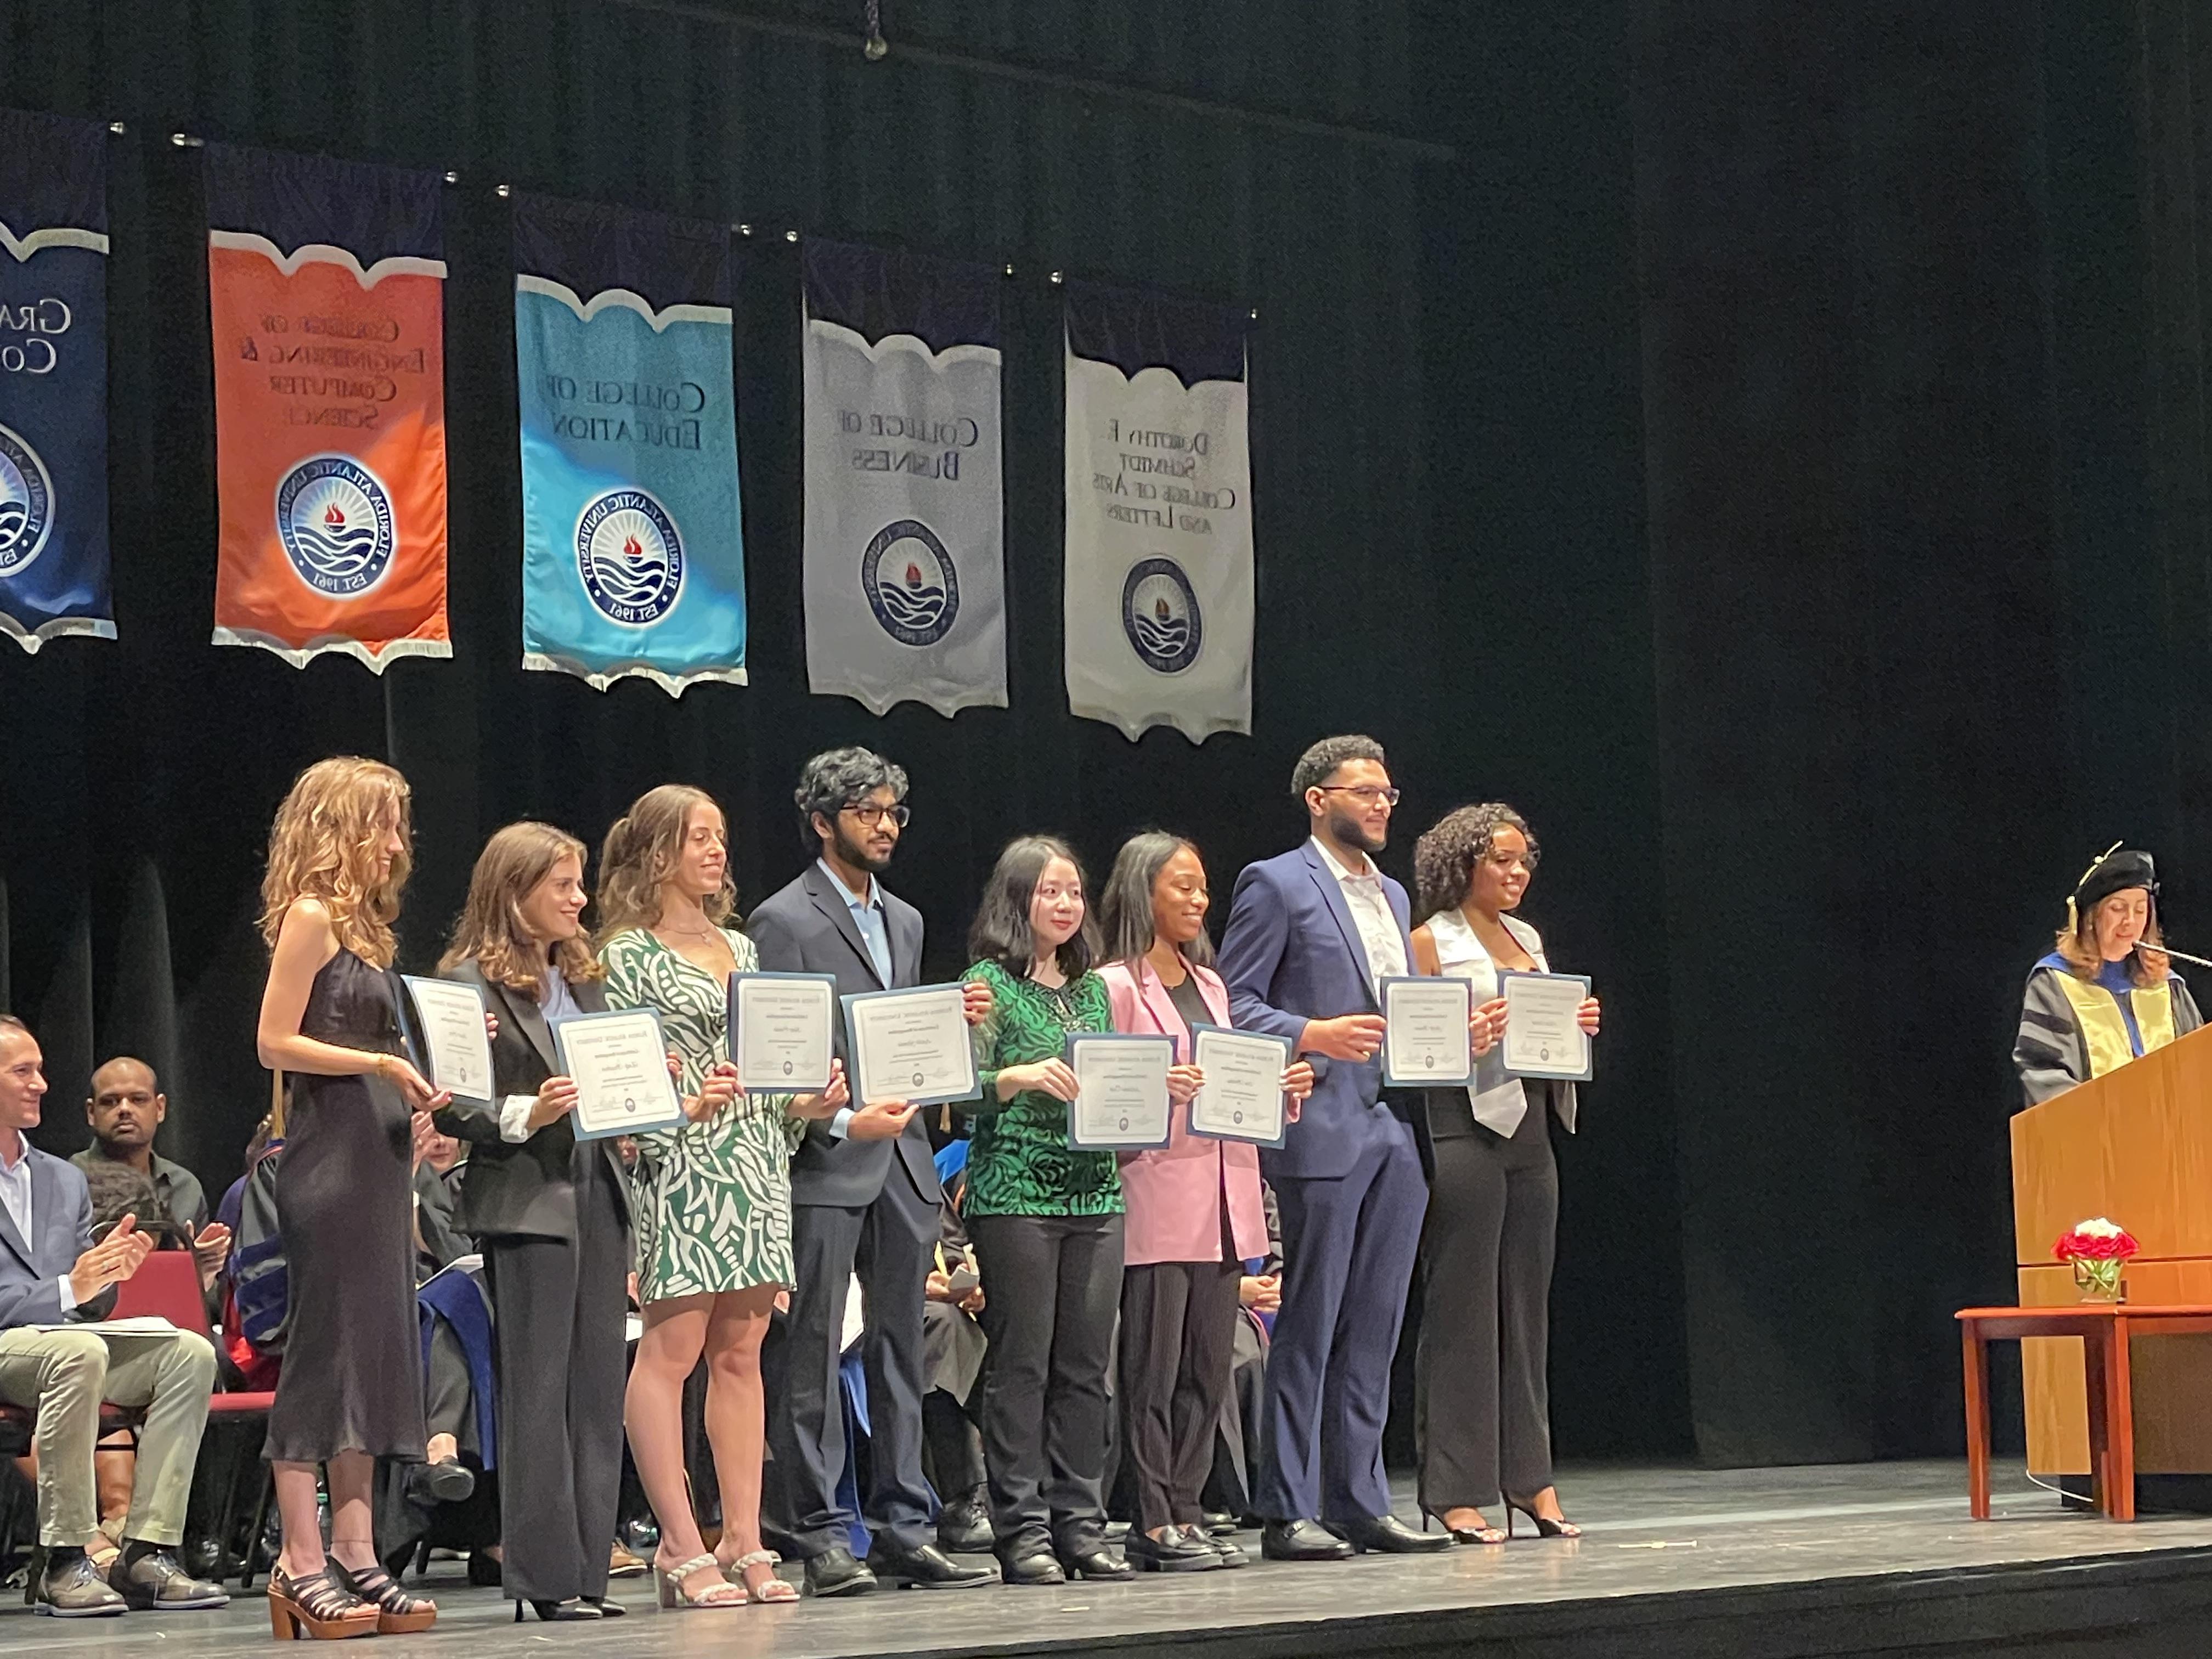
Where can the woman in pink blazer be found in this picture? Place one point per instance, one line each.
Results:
(1195, 1212)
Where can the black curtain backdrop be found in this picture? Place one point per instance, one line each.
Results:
(1765, 443)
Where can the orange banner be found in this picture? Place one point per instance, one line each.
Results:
(330, 451)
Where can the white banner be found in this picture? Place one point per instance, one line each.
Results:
(1159, 550)
(905, 540)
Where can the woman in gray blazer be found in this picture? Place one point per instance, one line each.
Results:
(553, 1214)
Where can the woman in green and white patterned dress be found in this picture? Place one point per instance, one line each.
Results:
(713, 1198)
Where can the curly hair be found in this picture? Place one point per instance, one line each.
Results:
(1319, 764)
(490, 931)
(1444, 858)
(642, 852)
(322, 845)
(837, 779)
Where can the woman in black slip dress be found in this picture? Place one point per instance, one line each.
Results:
(350, 1390)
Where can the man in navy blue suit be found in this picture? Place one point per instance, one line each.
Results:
(1312, 935)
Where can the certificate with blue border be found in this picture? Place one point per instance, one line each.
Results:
(1122, 1103)
(619, 1062)
(783, 1031)
(1425, 1040)
(1544, 1037)
(912, 1045)
(1242, 1098)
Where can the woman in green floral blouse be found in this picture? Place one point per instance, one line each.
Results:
(1046, 1222)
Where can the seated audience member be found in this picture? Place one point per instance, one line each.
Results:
(455, 1360)
(254, 1292)
(52, 1273)
(1239, 1448)
(952, 1345)
(126, 1106)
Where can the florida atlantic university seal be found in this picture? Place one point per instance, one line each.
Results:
(1159, 615)
(334, 518)
(910, 583)
(630, 557)
(27, 502)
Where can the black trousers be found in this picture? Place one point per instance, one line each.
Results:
(558, 1312)
(1483, 1407)
(1178, 1323)
(1051, 1287)
(890, 1245)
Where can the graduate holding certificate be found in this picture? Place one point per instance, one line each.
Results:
(1486, 1432)
(1195, 1212)
(713, 1195)
(1046, 1219)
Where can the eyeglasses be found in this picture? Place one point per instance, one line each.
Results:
(869, 814)
(1367, 794)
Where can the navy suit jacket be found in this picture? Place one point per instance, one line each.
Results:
(30, 1269)
(807, 927)
(1292, 953)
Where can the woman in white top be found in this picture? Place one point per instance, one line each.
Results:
(1484, 1414)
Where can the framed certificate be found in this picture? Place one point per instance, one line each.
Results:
(620, 1065)
(451, 1020)
(1242, 1098)
(1542, 1038)
(783, 1029)
(910, 1045)
(1122, 1095)
(1425, 1040)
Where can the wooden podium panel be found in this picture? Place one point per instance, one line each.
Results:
(2134, 1144)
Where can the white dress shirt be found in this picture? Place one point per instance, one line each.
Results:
(1372, 915)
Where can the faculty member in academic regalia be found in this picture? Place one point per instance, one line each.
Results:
(2106, 994)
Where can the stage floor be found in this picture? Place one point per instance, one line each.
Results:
(1673, 1560)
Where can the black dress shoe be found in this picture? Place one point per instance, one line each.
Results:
(835, 1572)
(1097, 1562)
(1220, 1521)
(926, 1567)
(1179, 1551)
(1387, 1535)
(1301, 1541)
(446, 1481)
(607, 1609)
(964, 1528)
(1227, 1550)
(1038, 1566)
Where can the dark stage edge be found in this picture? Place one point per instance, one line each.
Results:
(1864, 1559)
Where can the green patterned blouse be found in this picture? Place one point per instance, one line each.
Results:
(1021, 1163)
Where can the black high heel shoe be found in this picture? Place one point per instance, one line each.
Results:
(1469, 1534)
(1545, 1527)
(573, 1611)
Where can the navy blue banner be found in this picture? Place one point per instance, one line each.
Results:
(1137, 329)
(53, 379)
(875, 291)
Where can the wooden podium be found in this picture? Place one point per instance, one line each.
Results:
(2134, 1145)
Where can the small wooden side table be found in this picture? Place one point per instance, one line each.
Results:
(2105, 1329)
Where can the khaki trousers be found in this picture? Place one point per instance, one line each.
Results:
(64, 1375)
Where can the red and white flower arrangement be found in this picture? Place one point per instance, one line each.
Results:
(2097, 1249)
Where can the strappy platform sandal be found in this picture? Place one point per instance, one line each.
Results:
(669, 1583)
(397, 1613)
(316, 1607)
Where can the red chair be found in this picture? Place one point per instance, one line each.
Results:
(167, 1287)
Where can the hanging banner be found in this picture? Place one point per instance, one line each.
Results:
(53, 379)
(633, 560)
(905, 539)
(1159, 596)
(326, 289)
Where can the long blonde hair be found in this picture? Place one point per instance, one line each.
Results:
(642, 853)
(323, 845)
(2147, 964)
(491, 932)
